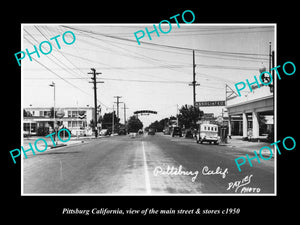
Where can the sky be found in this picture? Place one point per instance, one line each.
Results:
(152, 76)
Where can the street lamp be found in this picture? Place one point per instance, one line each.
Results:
(265, 78)
(54, 120)
(262, 68)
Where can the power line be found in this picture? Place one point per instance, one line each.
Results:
(117, 79)
(226, 67)
(227, 57)
(60, 52)
(170, 46)
(200, 30)
(207, 66)
(53, 56)
(62, 77)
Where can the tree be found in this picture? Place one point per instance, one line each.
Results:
(134, 124)
(107, 120)
(160, 125)
(189, 115)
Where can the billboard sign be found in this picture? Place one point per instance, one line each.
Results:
(210, 103)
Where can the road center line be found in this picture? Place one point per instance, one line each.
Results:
(147, 180)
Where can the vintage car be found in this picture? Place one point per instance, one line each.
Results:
(207, 133)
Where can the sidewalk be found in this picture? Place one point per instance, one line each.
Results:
(236, 142)
(41, 145)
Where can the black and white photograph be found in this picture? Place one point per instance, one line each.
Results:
(145, 111)
(170, 108)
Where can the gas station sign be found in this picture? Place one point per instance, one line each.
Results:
(210, 103)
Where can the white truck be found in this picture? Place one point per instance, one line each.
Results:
(207, 133)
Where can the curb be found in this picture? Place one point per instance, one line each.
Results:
(57, 146)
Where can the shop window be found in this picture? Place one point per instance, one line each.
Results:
(26, 126)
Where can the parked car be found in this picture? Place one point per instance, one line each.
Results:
(207, 133)
(132, 134)
(151, 131)
(103, 132)
(176, 132)
(122, 132)
(189, 133)
(166, 131)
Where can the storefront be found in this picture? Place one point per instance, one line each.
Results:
(38, 121)
(255, 110)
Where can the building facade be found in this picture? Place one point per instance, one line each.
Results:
(253, 107)
(76, 119)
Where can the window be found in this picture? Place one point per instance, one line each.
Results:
(41, 113)
(47, 113)
(69, 123)
(69, 114)
(26, 126)
(33, 127)
(74, 114)
(76, 123)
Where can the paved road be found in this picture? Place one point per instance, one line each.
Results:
(144, 165)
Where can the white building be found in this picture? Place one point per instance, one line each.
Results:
(250, 106)
(76, 119)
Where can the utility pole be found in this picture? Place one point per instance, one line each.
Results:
(270, 56)
(54, 119)
(113, 121)
(125, 113)
(177, 115)
(194, 82)
(94, 73)
(118, 104)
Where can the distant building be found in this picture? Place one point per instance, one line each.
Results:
(76, 119)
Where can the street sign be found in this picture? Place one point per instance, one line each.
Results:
(210, 103)
(145, 111)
